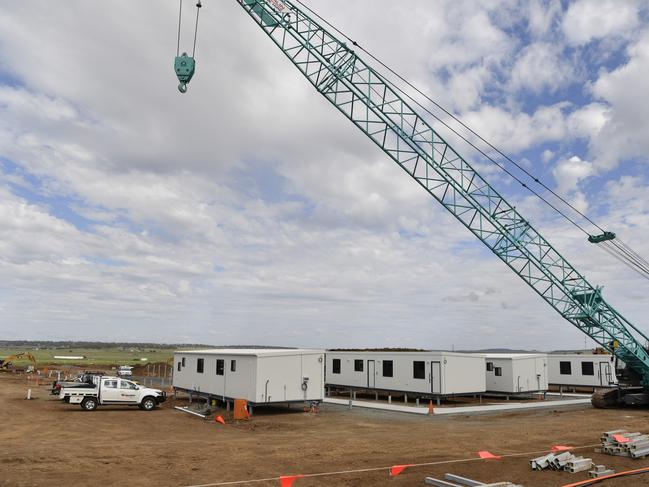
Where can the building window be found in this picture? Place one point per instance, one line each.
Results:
(183, 361)
(220, 366)
(498, 371)
(418, 370)
(233, 365)
(200, 364)
(179, 364)
(587, 368)
(387, 368)
(335, 366)
(490, 366)
(565, 368)
(358, 365)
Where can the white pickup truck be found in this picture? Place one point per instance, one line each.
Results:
(113, 390)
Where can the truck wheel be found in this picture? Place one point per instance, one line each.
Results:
(89, 404)
(147, 404)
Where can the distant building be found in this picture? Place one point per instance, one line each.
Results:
(419, 373)
(581, 369)
(516, 372)
(261, 376)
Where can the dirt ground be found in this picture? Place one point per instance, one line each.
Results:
(47, 442)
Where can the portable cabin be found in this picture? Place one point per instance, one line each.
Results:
(581, 370)
(516, 372)
(424, 373)
(261, 376)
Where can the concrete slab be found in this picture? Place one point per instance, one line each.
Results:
(511, 406)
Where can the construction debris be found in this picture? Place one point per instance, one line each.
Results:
(624, 444)
(565, 461)
(600, 471)
(451, 480)
(187, 410)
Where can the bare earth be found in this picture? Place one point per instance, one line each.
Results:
(46, 442)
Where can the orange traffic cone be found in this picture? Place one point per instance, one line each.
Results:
(219, 419)
(430, 407)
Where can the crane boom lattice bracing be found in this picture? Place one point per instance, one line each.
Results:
(376, 108)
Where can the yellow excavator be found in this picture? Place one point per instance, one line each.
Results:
(7, 362)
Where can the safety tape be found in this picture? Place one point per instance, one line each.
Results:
(377, 469)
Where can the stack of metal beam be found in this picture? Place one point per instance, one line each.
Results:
(600, 471)
(563, 461)
(451, 480)
(624, 444)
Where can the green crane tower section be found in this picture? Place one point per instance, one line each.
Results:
(370, 102)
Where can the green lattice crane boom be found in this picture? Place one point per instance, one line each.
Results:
(370, 102)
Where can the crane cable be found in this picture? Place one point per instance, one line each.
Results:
(198, 10)
(180, 15)
(400, 90)
(622, 251)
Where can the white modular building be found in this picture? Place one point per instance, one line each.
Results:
(260, 376)
(581, 370)
(516, 372)
(425, 373)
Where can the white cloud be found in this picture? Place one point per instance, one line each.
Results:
(626, 91)
(587, 20)
(543, 15)
(248, 209)
(568, 173)
(541, 66)
(519, 130)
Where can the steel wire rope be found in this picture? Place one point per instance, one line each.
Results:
(630, 260)
(180, 16)
(503, 168)
(471, 144)
(198, 9)
(454, 117)
(606, 246)
(632, 253)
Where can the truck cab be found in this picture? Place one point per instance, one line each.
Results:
(124, 371)
(113, 391)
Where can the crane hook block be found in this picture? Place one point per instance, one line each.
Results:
(184, 66)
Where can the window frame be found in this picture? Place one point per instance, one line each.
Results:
(336, 366)
(490, 366)
(385, 370)
(220, 366)
(233, 365)
(422, 370)
(562, 365)
(592, 368)
(498, 371)
(357, 362)
(200, 365)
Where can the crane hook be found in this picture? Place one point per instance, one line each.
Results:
(185, 65)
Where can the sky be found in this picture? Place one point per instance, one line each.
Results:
(249, 211)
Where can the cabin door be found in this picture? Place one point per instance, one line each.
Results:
(435, 378)
(371, 376)
(605, 374)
